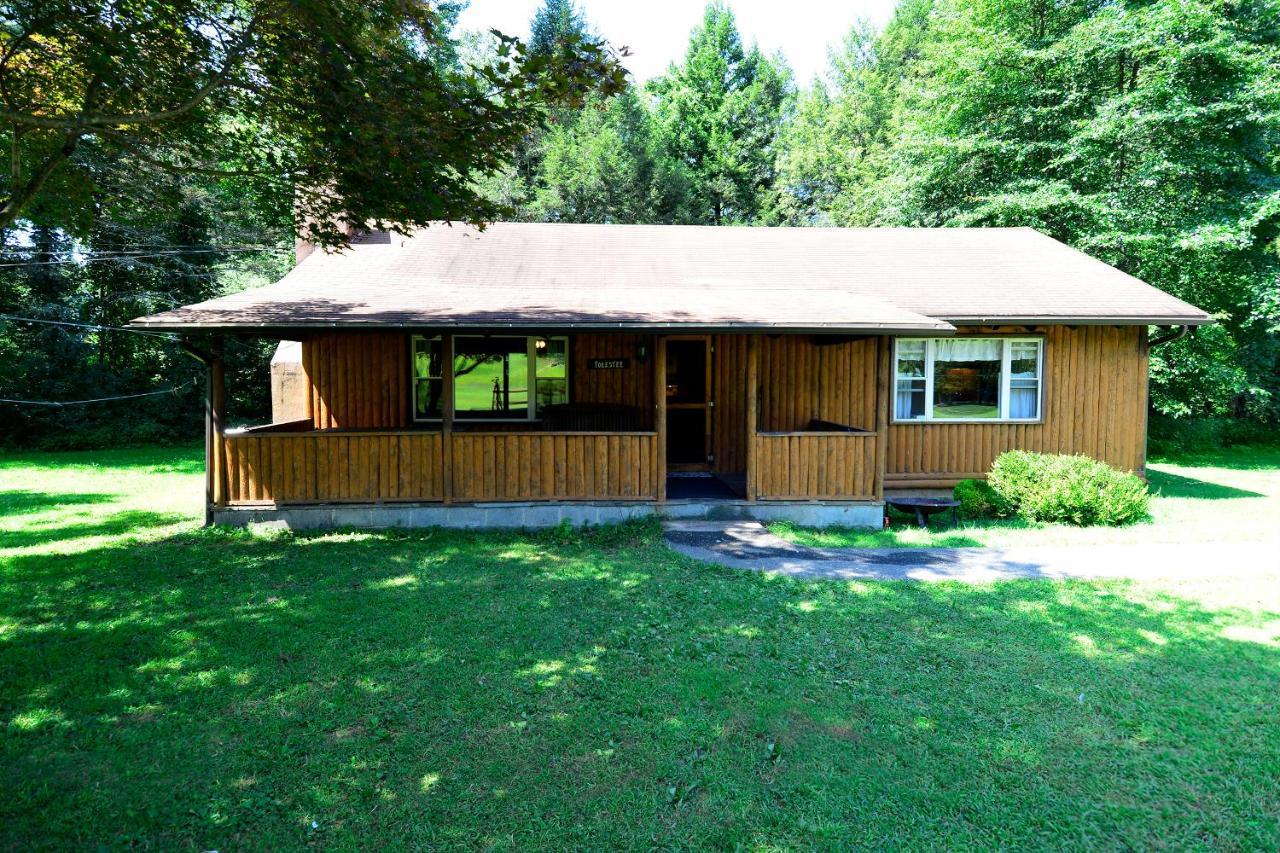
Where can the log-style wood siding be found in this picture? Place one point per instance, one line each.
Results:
(799, 381)
(358, 380)
(801, 466)
(802, 380)
(629, 386)
(1095, 403)
(332, 467)
(729, 414)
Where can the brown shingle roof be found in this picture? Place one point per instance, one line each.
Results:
(658, 276)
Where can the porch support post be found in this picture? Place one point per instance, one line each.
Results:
(214, 426)
(753, 410)
(883, 400)
(446, 415)
(660, 414)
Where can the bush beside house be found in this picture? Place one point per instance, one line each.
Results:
(1055, 488)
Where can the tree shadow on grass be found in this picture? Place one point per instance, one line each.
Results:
(902, 532)
(597, 690)
(116, 524)
(1169, 485)
(21, 501)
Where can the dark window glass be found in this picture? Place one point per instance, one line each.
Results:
(686, 371)
(552, 372)
(428, 387)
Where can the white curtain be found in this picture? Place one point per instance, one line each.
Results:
(966, 349)
(904, 405)
(1022, 402)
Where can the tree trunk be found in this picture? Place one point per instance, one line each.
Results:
(15, 203)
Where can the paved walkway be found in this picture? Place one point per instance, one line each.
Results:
(748, 545)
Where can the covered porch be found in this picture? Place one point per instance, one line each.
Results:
(749, 418)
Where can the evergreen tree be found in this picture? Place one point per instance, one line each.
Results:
(608, 166)
(554, 24)
(1143, 133)
(835, 148)
(720, 113)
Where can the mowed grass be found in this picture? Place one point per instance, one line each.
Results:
(170, 688)
(1232, 495)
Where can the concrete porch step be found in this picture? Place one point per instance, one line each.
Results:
(709, 510)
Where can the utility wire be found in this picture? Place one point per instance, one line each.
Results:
(60, 404)
(93, 327)
(99, 247)
(107, 249)
(124, 257)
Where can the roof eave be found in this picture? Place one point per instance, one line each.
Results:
(1059, 320)
(793, 328)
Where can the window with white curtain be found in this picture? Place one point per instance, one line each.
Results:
(911, 380)
(967, 379)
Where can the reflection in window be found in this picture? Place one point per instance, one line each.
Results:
(428, 385)
(552, 375)
(967, 379)
(491, 377)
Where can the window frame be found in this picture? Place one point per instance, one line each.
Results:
(531, 358)
(1006, 351)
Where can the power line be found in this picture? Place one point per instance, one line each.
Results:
(106, 246)
(60, 404)
(93, 327)
(151, 248)
(131, 257)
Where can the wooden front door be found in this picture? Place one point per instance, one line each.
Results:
(688, 389)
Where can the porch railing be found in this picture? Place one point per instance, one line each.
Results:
(325, 467)
(554, 466)
(814, 465)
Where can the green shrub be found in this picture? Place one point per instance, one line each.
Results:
(1066, 489)
(977, 499)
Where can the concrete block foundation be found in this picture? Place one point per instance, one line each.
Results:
(485, 516)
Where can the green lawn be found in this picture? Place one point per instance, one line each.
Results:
(171, 688)
(1232, 495)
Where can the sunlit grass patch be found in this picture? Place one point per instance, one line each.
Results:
(1232, 496)
(171, 687)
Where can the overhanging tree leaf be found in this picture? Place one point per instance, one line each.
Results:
(362, 106)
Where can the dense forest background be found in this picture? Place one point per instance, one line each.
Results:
(1144, 133)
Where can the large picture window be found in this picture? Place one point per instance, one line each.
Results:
(967, 379)
(492, 377)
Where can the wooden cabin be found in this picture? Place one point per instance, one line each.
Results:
(531, 373)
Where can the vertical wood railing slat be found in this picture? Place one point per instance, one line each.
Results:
(660, 415)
